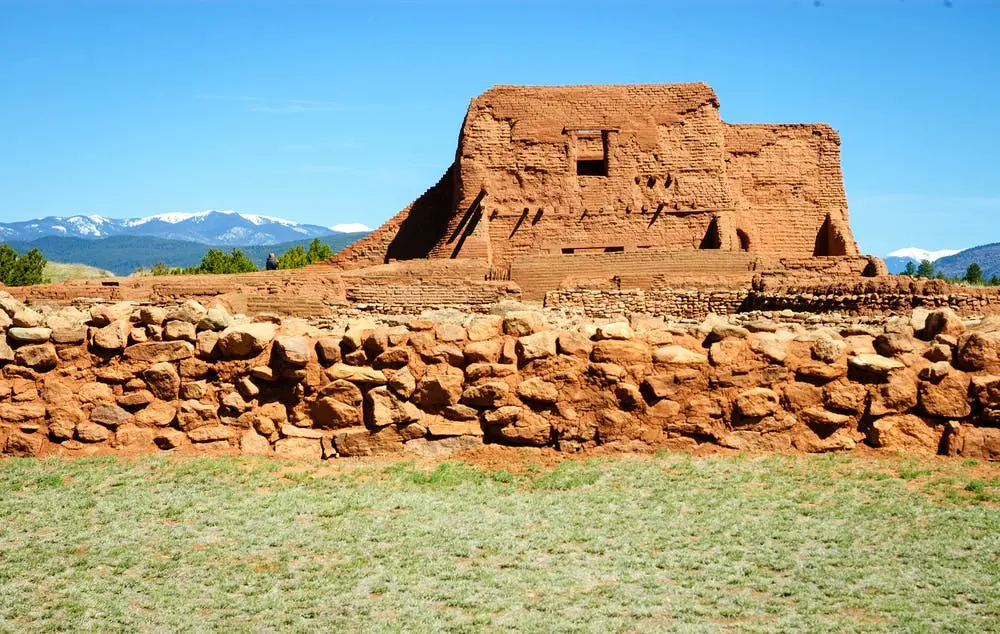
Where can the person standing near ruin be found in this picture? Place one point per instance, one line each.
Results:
(272, 262)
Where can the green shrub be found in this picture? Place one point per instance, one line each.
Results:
(297, 257)
(21, 270)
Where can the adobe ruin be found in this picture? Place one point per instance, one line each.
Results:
(596, 182)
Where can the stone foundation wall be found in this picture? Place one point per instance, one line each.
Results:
(401, 299)
(879, 297)
(185, 379)
(677, 303)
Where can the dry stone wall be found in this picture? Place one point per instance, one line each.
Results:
(122, 378)
(676, 303)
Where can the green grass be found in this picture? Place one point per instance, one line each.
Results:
(60, 272)
(665, 543)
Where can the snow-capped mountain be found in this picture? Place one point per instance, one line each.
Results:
(350, 227)
(212, 226)
(898, 259)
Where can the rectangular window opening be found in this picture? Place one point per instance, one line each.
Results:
(567, 251)
(591, 167)
(613, 249)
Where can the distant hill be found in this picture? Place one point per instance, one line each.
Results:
(224, 228)
(987, 256)
(60, 272)
(123, 254)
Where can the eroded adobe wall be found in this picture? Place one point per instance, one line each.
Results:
(410, 234)
(300, 292)
(632, 269)
(786, 181)
(519, 145)
(184, 379)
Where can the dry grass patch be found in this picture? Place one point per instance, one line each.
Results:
(670, 542)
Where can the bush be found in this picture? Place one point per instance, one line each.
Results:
(21, 270)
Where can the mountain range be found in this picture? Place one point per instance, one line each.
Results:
(898, 259)
(181, 238)
(212, 226)
(123, 254)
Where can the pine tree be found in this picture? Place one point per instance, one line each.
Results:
(21, 270)
(318, 251)
(926, 269)
(294, 258)
(911, 269)
(973, 274)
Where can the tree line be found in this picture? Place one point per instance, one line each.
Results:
(29, 268)
(218, 261)
(21, 270)
(973, 274)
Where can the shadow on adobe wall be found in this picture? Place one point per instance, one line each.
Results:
(426, 222)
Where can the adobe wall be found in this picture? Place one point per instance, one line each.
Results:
(301, 292)
(665, 174)
(633, 269)
(671, 175)
(785, 181)
(185, 380)
(410, 234)
(408, 299)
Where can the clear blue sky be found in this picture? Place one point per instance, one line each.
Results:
(328, 112)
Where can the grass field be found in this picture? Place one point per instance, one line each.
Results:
(665, 543)
(60, 272)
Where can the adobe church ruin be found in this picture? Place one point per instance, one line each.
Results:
(631, 180)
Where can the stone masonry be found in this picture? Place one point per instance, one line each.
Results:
(183, 378)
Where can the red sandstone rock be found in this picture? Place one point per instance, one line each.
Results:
(299, 449)
(978, 350)
(538, 390)
(253, 444)
(948, 399)
(537, 346)
(444, 387)
(246, 340)
(360, 441)
(20, 444)
(328, 350)
(844, 396)
(330, 413)
(905, 433)
(38, 357)
(973, 442)
(620, 351)
(575, 344)
(757, 402)
(162, 380)
(942, 322)
(488, 394)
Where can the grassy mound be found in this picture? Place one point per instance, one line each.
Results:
(60, 272)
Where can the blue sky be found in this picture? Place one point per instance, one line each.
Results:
(329, 112)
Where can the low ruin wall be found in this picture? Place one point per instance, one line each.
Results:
(402, 299)
(870, 299)
(297, 292)
(677, 303)
(183, 379)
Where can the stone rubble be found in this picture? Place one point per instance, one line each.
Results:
(141, 379)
